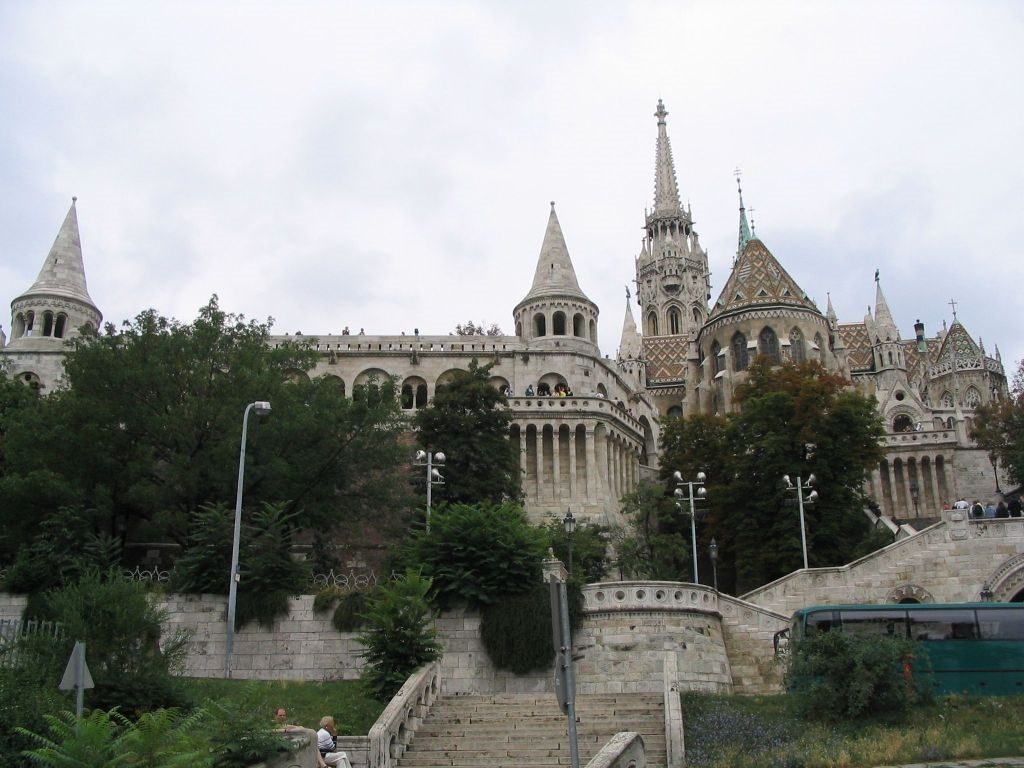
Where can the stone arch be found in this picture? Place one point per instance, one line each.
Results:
(740, 356)
(370, 377)
(519, 328)
(546, 384)
(335, 382)
(698, 316)
(414, 393)
(1007, 580)
(30, 322)
(446, 377)
(60, 327)
(902, 423)
(296, 375)
(540, 324)
(674, 412)
(768, 345)
(797, 350)
(652, 324)
(47, 323)
(500, 383)
(579, 326)
(675, 321)
(972, 397)
(602, 390)
(909, 593)
(558, 324)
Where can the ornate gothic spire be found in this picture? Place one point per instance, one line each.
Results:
(744, 234)
(884, 325)
(666, 190)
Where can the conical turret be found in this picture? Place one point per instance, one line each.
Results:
(884, 325)
(556, 312)
(629, 343)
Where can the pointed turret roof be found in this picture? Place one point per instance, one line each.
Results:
(63, 272)
(555, 274)
(957, 344)
(629, 344)
(744, 234)
(830, 312)
(757, 279)
(884, 325)
(666, 190)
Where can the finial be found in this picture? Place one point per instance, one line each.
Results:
(953, 304)
(661, 113)
(628, 296)
(552, 206)
(74, 199)
(753, 227)
(737, 173)
(876, 275)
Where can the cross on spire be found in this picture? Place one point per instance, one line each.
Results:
(953, 304)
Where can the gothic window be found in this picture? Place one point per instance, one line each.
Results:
(558, 324)
(30, 320)
(902, 423)
(540, 325)
(947, 400)
(674, 321)
(47, 323)
(652, 324)
(820, 344)
(768, 345)
(796, 346)
(579, 326)
(740, 358)
(675, 412)
(716, 361)
(696, 314)
(61, 325)
(973, 398)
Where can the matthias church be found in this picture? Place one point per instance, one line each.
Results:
(585, 447)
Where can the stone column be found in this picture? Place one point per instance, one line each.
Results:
(573, 480)
(906, 486)
(556, 461)
(891, 475)
(523, 472)
(540, 461)
(591, 459)
(936, 495)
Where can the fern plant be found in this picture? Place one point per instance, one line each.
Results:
(167, 738)
(93, 741)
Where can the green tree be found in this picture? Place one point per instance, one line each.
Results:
(792, 419)
(399, 636)
(149, 429)
(656, 544)
(475, 553)
(998, 428)
(468, 422)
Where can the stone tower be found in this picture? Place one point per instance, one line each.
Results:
(556, 314)
(672, 281)
(56, 308)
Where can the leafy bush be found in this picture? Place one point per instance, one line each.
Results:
(400, 636)
(839, 676)
(326, 598)
(476, 553)
(121, 628)
(269, 574)
(28, 692)
(350, 613)
(238, 731)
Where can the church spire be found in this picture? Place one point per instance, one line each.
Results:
(884, 325)
(745, 235)
(666, 190)
(629, 343)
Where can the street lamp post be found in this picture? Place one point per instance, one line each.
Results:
(569, 523)
(262, 408)
(701, 493)
(428, 459)
(811, 498)
(713, 554)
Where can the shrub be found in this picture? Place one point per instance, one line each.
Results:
(350, 613)
(843, 675)
(475, 553)
(269, 574)
(64, 548)
(399, 637)
(589, 550)
(121, 628)
(239, 733)
(28, 692)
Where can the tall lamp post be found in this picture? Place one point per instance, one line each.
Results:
(569, 523)
(811, 498)
(713, 554)
(428, 459)
(262, 408)
(680, 495)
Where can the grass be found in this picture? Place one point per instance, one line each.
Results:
(346, 700)
(763, 732)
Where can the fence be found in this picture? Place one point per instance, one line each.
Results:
(13, 631)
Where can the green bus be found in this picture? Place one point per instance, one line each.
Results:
(973, 648)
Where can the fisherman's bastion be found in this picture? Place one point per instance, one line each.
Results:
(587, 450)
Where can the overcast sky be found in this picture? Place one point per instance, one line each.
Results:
(389, 165)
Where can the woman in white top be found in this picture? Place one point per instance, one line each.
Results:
(326, 742)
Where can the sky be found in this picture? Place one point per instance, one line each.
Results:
(389, 166)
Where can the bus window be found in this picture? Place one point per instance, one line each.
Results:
(1001, 624)
(885, 623)
(940, 624)
(819, 622)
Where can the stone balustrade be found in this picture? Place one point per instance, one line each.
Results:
(648, 596)
(390, 735)
(623, 750)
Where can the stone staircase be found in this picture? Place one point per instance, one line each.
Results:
(493, 731)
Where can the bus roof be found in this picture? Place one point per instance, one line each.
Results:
(903, 606)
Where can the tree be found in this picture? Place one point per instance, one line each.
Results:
(149, 429)
(792, 419)
(998, 428)
(468, 423)
(472, 329)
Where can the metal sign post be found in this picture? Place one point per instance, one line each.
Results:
(76, 676)
(565, 673)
